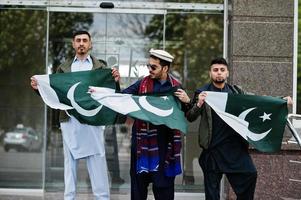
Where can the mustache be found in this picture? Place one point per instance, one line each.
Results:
(219, 81)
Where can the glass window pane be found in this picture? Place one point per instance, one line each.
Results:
(62, 25)
(22, 50)
(120, 41)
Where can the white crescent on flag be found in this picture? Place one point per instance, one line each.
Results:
(82, 111)
(217, 101)
(157, 111)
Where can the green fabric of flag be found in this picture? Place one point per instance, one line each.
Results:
(258, 119)
(68, 91)
(154, 109)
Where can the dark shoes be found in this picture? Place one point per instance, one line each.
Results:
(118, 180)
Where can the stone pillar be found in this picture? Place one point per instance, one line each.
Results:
(261, 45)
(261, 61)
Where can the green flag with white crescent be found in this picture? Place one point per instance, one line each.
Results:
(68, 91)
(155, 109)
(258, 119)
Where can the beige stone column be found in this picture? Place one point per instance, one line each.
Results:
(260, 54)
(261, 45)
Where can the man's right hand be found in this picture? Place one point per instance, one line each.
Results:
(115, 74)
(201, 99)
(34, 83)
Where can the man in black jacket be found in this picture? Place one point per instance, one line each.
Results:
(224, 150)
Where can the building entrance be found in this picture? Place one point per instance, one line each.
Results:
(122, 37)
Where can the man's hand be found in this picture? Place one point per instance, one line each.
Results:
(34, 83)
(289, 100)
(115, 74)
(201, 99)
(182, 95)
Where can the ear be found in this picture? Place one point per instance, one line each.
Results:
(73, 45)
(165, 68)
(90, 46)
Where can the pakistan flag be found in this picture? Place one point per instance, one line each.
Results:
(68, 91)
(157, 110)
(258, 119)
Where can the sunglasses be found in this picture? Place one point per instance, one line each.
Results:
(152, 67)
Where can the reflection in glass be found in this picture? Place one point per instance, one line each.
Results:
(22, 49)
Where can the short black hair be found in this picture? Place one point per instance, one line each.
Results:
(162, 62)
(81, 33)
(219, 60)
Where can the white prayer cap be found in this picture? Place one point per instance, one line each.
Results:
(164, 55)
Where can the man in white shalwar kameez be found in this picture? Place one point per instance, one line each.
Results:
(82, 141)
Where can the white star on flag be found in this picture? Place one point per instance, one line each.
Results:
(265, 116)
(238, 111)
(165, 98)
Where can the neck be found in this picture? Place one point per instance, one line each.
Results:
(81, 56)
(219, 85)
(163, 77)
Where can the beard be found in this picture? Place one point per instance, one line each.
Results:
(219, 81)
(81, 50)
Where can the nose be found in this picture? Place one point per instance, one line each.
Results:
(219, 71)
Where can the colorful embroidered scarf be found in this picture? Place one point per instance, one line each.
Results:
(147, 144)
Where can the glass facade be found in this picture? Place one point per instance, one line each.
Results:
(119, 39)
(22, 50)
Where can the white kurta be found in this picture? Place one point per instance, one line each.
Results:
(83, 140)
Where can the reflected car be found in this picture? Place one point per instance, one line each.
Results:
(22, 139)
(1, 135)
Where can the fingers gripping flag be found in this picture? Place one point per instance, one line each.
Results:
(258, 119)
(68, 91)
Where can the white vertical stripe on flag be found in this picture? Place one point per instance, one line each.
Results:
(217, 100)
(48, 94)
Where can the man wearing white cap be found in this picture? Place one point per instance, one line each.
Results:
(156, 149)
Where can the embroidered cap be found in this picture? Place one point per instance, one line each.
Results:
(164, 55)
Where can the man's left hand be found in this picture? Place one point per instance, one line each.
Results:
(289, 100)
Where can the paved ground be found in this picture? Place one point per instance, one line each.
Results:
(24, 170)
(59, 196)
